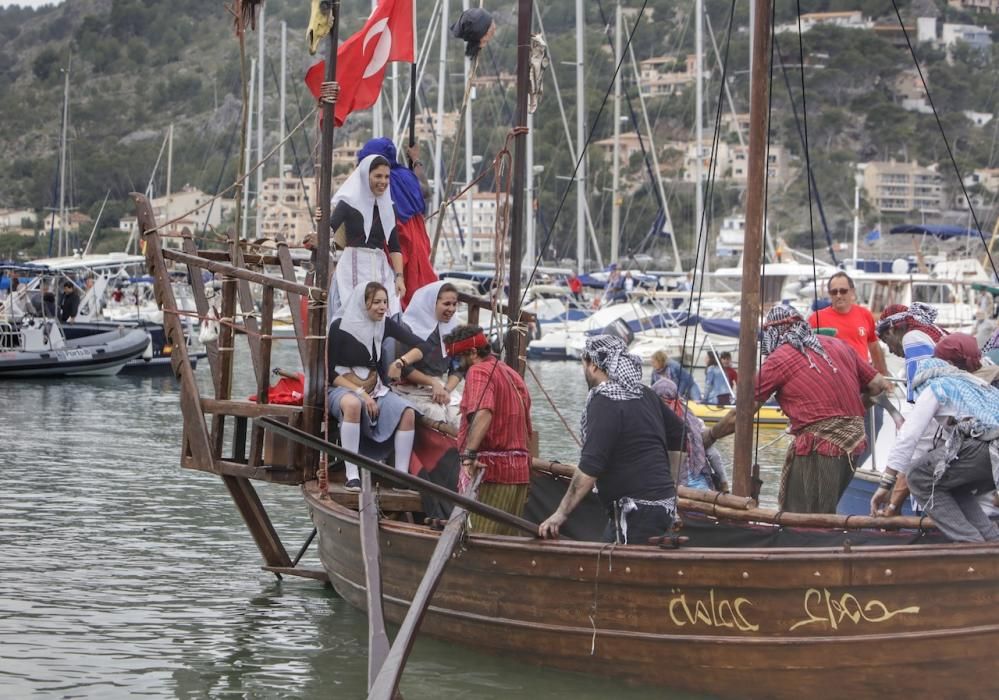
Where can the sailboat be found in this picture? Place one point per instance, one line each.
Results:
(753, 603)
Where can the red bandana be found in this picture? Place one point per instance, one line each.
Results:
(473, 343)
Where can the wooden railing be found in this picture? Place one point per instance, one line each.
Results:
(204, 448)
(252, 454)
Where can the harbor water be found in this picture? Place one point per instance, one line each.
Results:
(123, 575)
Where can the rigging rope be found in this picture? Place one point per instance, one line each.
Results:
(239, 181)
(943, 134)
(808, 161)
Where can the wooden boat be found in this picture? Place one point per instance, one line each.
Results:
(735, 622)
(768, 416)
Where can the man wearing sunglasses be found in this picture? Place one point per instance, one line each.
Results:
(854, 324)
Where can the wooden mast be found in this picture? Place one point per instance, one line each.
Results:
(315, 379)
(513, 340)
(753, 250)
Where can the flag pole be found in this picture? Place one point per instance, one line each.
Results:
(412, 89)
(314, 371)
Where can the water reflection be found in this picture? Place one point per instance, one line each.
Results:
(122, 574)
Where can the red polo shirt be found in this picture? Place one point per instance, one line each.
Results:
(855, 327)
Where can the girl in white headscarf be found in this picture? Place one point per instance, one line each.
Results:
(358, 395)
(431, 384)
(363, 206)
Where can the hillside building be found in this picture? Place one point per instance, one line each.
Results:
(894, 187)
(977, 6)
(482, 228)
(14, 220)
(630, 145)
(191, 208)
(850, 19)
(667, 75)
(733, 162)
(285, 209)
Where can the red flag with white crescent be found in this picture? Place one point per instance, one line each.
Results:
(361, 60)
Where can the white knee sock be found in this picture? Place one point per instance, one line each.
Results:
(403, 449)
(350, 439)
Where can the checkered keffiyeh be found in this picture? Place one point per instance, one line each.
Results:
(785, 325)
(624, 372)
(992, 343)
(917, 316)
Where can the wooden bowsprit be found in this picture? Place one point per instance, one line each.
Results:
(387, 682)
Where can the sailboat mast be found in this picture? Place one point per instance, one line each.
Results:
(699, 130)
(439, 144)
(249, 146)
(469, 175)
(62, 161)
(169, 179)
(282, 106)
(260, 124)
(377, 117)
(315, 359)
(580, 143)
(524, 9)
(753, 250)
(530, 241)
(616, 167)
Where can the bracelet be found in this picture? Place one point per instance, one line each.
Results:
(401, 361)
(469, 455)
(398, 274)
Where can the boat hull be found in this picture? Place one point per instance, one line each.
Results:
(733, 623)
(98, 355)
(770, 416)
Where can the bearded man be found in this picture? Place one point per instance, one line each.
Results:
(818, 382)
(627, 434)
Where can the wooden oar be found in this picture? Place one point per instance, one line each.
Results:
(387, 682)
(387, 472)
(378, 642)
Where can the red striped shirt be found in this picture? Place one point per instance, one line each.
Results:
(808, 396)
(505, 449)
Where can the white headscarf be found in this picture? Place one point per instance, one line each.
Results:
(356, 192)
(421, 314)
(357, 323)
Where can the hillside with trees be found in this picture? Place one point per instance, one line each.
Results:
(138, 66)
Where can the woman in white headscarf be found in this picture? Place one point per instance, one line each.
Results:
(363, 206)
(431, 384)
(358, 395)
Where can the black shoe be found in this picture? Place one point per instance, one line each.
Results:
(353, 485)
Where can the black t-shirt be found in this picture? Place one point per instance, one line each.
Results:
(626, 447)
(344, 350)
(353, 223)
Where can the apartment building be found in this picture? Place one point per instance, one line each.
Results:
(895, 187)
(474, 215)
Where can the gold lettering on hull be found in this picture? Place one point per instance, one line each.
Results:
(821, 607)
(713, 612)
(828, 608)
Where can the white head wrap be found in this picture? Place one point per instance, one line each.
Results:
(358, 323)
(356, 192)
(421, 314)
